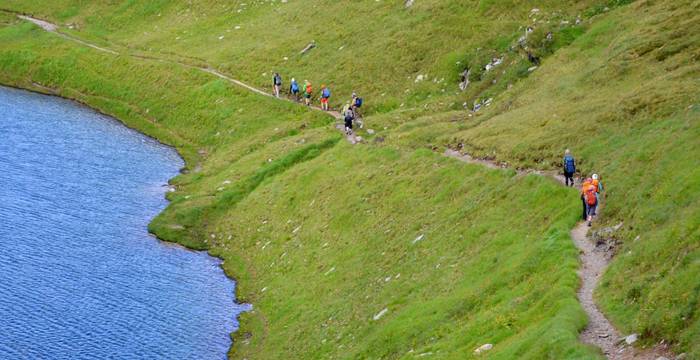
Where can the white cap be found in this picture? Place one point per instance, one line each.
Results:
(595, 176)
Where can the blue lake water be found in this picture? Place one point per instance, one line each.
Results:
(80, 277)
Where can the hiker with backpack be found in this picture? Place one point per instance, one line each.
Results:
(277, 84)
(349, 116)
(356, 102)
(325, 95)
(569, 167)
(308, 91)
(294, 89)
(595, 181)
(590, 199)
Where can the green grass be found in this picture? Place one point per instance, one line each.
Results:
(327, 229)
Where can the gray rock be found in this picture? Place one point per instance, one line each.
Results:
(483, 348)
(408, 3)
(308, 47)
(631, 339)
(379, 315)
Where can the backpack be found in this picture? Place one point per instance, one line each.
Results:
(590, 196)
(295, 87)
(569, 164)
(278, 80)
(358, 102)
(326, 93)
(349, 114)
(308, 89)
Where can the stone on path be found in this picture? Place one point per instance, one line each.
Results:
(631, 339)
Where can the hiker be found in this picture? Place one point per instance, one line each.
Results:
(590, 199)
(294, 89)
(325, 95)
(585, 183)
(277, 84)
(356, 104)
(349, 116)
(598, 189)
(569, 167)
(308, 90)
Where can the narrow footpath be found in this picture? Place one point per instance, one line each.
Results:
(594, 260)
(599, 331)
(53, 28)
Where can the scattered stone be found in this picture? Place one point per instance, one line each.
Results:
(408, 3)
(226, 182)
(465, 79)
(370, 131)
(419, 78)
(532, 68)
(419, 238)
(308, 47)
(483, 348)
(296, 230)
(631, 339)
(379, 315)
(662, 358)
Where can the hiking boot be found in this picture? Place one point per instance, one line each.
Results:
(589, 224)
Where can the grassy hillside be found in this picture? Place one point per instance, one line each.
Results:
(324, 236)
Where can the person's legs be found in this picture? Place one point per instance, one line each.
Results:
(585, 213)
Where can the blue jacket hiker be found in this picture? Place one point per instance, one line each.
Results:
(294, 88)
(569, 167)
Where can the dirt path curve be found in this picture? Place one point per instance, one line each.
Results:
(599, 332)
(594, 260)
(53, 28)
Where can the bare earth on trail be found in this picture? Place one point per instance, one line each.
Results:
(53, 28)
(599, 332)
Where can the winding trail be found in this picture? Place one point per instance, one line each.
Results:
(53, 28)
(594, 259)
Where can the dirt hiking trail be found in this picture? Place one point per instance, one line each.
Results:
(53, 28)
(594, 259)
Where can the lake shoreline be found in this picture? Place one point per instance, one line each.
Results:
(238, 298)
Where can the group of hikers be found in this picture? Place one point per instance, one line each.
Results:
(350, 111)
(591, 187)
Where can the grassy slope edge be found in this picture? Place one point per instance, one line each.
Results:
(327, 189)
(630, 76)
